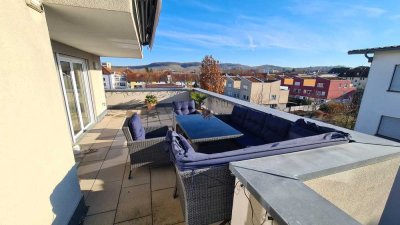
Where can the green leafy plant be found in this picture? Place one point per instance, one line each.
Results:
(198, 98)
(151, 99)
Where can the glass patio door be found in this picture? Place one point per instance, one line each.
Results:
(75, 83)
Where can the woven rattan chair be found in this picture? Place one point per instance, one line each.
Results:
(148, 152)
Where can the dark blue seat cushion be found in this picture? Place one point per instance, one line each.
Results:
(184, 107)
(275, 129)
(299, 132)
(248, 140)
(254, 121)
(302, 128)
(238, 115)
(136, 128)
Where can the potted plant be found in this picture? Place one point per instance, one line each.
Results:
(151, 102)
(198, 99)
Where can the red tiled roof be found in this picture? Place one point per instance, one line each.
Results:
(163, 86)
(106, 70)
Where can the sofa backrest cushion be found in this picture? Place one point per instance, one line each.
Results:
(297, 131)
(275, 129)
(238, 115)
(314, 127)
(254, 121)
(136, 128)
(184, 107)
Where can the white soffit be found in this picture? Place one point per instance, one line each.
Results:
(102, 32)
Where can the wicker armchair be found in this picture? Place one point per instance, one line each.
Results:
(150, 151)
(206, 194)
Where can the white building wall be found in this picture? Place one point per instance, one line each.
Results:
(377, 100)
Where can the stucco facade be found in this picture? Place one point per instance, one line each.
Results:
(36, 164)
(378, 100)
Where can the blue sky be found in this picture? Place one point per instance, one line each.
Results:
(284, 33)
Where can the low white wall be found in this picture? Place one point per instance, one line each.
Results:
(132, 98)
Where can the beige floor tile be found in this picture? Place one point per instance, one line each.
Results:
(103, 197)
(106, 218)
(134, 203)
(166, 209)
(118, 154)
(112, 173)
(140, 221)
(89, 170)
(140, 176)
(101, 144)
(96, 154)
(162, 177)
(86, 185)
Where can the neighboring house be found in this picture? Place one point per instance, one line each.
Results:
(268, 92)
(60, 43)
(358, 76)
(232, 86)
(113, 80)
(380, 106)
(320, 89)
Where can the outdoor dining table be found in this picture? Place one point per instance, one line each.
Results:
(201, 128)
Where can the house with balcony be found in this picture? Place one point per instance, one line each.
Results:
(358, 76)
(232, 86)
(379, 111)
(112, 79)
(62, 97)
(257, 90)
(320, 89)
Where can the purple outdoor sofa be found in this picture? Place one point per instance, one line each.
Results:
(204, 182)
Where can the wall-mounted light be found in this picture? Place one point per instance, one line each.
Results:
(35, 4)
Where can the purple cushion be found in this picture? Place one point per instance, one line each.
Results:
(184, 107)
(136, 128)
(238, 115)
(254, 121)
(275, 129)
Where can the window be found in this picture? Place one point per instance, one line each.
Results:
(297, 83)
(104, 79)
(340, 85)
(389, 127)
(229, 85)
(395, 83)
(309, 91)
(273, 97)
(245, 87)
(345, 85)
(323, 93)
(320, 85)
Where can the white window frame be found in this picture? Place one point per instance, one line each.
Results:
(396, 69)
(380, 124)
(86, 79)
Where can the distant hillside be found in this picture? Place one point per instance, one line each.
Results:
(225, 67)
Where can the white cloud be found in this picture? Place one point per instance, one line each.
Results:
(371, 11)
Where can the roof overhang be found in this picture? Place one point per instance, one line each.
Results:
(102, 27)
(373, 50)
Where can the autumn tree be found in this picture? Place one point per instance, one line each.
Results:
(211, 78)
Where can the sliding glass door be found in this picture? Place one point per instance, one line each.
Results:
(75, 84)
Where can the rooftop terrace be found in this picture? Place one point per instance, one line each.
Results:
(147, 198)
(103, 173)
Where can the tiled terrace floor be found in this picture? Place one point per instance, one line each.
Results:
(103, 172)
